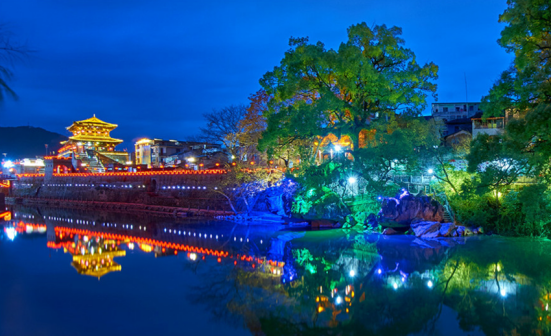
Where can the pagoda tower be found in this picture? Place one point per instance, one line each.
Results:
(90, 138)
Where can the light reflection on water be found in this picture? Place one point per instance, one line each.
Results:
(261, 281)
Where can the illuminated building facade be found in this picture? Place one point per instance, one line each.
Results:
(152, 152)
(24, 166)
(92, 144)
(172, 153)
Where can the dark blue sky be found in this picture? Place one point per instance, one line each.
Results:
(154, 67)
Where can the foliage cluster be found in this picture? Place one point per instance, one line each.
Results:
(506, 187)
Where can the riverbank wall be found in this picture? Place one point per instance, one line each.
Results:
(183, 189)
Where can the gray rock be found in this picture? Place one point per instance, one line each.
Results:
(410, 209)
(433, 229)
(426, 229)
(390, 231)
(447, 229)
(463, 231)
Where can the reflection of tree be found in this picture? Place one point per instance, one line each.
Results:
(500, 294)
(479, 292)
(238, 295)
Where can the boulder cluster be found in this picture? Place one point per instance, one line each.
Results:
(426, 229)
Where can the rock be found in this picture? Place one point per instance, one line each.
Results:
(424, 228)
(407, 208)
(478, 230)
(390, 231)
(372, 221)
(463, 231)
(433, 229)
(446, 229)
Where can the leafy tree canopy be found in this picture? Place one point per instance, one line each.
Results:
(524, 90)
(318, 91)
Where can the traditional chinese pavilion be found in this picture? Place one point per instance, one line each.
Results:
(91, 138)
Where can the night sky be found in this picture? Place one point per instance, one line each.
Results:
(154, 67)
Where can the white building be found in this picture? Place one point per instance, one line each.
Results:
(452, 111)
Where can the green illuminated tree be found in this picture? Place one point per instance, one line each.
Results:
(368, 79)
(523, 92)
(522, 95)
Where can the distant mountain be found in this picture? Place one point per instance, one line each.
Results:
(28, 142)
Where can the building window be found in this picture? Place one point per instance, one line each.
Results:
(471, 108)
(445, 109)
(457, 108)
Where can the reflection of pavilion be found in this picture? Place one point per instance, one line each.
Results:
(94, 243)
(92, 256)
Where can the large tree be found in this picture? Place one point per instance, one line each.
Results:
(523, 95)
(253, 124)
(318, 91)
(224, 127)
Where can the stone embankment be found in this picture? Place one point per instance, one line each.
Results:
(178, 189)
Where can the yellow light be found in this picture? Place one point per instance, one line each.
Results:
(193, 256)
(320, 309)
(146, 248)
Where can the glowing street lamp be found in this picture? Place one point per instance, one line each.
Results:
(352, 180)
(430, 171)
(337, 148)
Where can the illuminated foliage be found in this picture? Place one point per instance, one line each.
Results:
(318, 91)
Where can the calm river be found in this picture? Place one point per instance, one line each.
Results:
(70, 272)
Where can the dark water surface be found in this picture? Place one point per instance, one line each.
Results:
(69, 272)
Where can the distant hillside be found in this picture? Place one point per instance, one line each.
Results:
(28, 142)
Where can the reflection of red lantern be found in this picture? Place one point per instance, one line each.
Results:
(233, 163)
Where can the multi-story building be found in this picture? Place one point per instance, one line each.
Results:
(158, 152)
(151, 152)
(490, 126)
(452, 111)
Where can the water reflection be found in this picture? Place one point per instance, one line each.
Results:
(291, 283)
